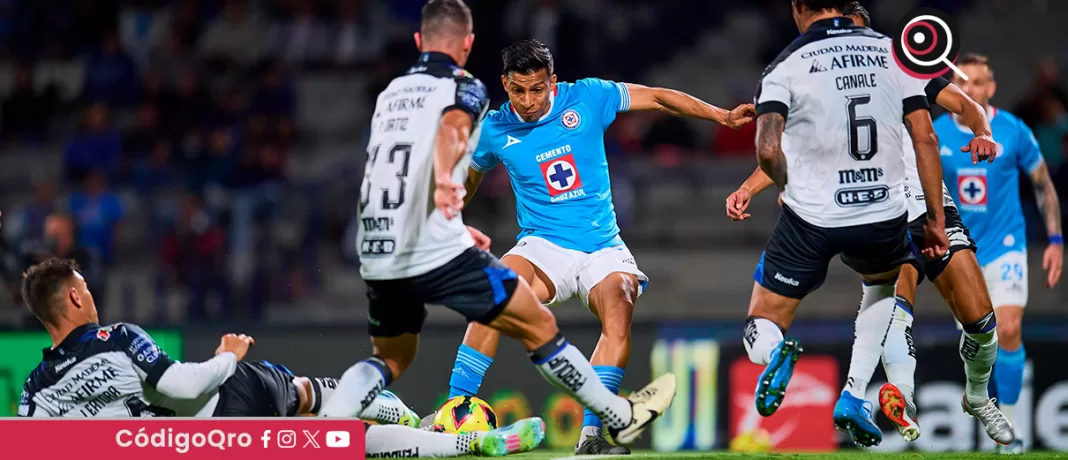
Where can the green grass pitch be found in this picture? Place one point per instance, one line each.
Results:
(542, 454)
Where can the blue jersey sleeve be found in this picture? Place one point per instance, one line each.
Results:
(484, 158)
(143, 351)
(607, 98)
(1029, 156)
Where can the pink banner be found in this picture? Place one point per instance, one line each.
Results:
(174, 438)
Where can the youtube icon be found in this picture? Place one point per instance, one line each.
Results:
(337, 439)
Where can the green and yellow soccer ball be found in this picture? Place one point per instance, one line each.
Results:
(465, 414)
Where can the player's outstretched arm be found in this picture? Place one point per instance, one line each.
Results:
(474, 179)
(680, 104)
(191, 380)
(738, 201)
(982, 146)
(769, 147)
(1050, 206)
(929, 166)
(449, 146)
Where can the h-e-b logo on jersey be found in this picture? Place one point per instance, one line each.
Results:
(561, 175)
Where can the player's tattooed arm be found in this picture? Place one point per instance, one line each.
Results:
(769, 147)
(929, 164)
(680, 104)
(1048, 202)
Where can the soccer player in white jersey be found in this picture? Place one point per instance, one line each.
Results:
(955, 276)
(837, 99)
(105, 371)
(414, 251)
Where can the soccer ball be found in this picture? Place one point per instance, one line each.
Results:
(465, 414)
(757, 440)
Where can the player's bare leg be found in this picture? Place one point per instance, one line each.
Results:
(896, 398)
(769, 315)
(480, 342)
(611, 301)
(479, 348)
(362, 382)
(563, 365)
(852, 412)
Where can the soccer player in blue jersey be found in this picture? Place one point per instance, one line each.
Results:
(989, 202)
(550, 139)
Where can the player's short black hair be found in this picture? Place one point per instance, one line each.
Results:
(42, 283)
(820, 5)
(445, 17)
(856, 9)
(976, 59)
(527, 56)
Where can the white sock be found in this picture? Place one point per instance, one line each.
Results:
(565, 367)
(359, 386)
(978, 351)
(899, 353)
(760, 339)
(386, 408)
(402, 441)
(877, 306)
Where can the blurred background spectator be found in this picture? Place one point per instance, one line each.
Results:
(202, 158)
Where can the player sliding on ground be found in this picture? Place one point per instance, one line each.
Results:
(826, 211)
(414, 251)
(549, 137)
(119, 371)
(957, 277)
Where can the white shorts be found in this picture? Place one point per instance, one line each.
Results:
(575, 272)
(1006, 278)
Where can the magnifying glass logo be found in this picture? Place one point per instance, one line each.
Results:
(925, 44)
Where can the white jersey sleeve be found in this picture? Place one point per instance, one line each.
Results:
(401, 234)
(843, 97)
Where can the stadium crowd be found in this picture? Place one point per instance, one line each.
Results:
(192, 107)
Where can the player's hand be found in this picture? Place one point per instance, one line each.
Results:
(936, 243)
(983, 148)
(737, 203)
(236, 344)
(1052, 262)
(481, 240)
(740, 116)
(449, 198)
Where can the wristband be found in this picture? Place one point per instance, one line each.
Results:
(1056, 239)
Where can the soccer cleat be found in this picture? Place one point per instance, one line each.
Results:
(1014, 448)
(997, 426)
(646, 405)
(598, 445)
(409, 419)
(521, 436)
(900, 410)
(854, 415)
(771, 387)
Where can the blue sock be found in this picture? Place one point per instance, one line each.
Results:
(1008, 375)
(612, 377)
(468, 371)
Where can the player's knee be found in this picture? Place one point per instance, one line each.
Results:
(1009, 330)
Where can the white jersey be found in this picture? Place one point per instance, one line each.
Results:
(98, 371)
(401, 233)
(843, 98)
(913, 189)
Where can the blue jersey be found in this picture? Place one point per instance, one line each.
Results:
(557, 164)
(988, 194)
